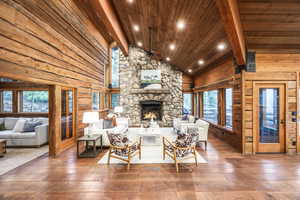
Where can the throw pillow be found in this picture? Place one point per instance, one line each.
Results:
(19, 125)
(2, 127)
(30, 125)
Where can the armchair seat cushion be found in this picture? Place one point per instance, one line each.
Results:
(124, 152)
(180, 153)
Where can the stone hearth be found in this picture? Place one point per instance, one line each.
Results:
(131, 94)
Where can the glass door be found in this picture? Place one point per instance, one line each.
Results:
(67, 114)
(270, 119)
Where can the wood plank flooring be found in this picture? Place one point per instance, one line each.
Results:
(228, 175)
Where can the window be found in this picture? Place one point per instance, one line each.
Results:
(34, 101)
(210, 105)
(187, 104)
(115, 100)
(6, 101)
(115, 56)
(228, 107)
(96, 101)
(196, 105)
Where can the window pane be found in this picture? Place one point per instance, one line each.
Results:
(35, 101)
(96, 101)
(7, 101)
(210, 105)
(115, 56)
(115, 100)
(187, 104)
(228, 107)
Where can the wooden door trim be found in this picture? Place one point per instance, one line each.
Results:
(255, 85)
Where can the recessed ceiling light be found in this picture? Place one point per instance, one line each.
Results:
(190, 70)
(136, 27)
(130, 1)
(172, 46)
(180, 25)
(221, 46)
(201, 62)
(139, 44)
(168, 59)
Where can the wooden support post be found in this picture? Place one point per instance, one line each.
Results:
(54, 120)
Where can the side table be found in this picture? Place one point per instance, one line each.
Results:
(91, 151)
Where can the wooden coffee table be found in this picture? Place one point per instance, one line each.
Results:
(2, 147)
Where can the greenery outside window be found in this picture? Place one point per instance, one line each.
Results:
(34, 101)
(6, 101)
(210, 106)
(115, 68)
(96, 101)
(115, 100)
(187, 103)
(228, 108)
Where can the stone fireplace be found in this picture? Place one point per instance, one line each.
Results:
(151, 110)
(165, 102)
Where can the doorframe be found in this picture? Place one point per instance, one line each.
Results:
(255, 112)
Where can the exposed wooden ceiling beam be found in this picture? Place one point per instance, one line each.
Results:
(231, 19)
(104, 12)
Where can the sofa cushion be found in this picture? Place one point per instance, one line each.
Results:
(1, 121)
(107, 124)
(9, 134)
(10, 122)
(19, 125)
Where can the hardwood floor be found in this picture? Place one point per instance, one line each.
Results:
(228, 175)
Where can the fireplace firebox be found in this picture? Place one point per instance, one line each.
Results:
(151, 110)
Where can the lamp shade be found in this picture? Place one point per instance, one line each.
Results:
(118, 109)
(90, 117)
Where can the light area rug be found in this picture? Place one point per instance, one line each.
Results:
(150, 155)
(16, 157)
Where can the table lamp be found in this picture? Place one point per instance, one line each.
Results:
(90, 118)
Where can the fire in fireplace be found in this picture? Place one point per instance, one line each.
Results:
(151, 110)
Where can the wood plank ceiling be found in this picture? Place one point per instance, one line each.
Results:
(198, 40)
(271, 25)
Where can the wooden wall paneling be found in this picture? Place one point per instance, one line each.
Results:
(53, 43)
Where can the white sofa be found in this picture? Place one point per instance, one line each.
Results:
(122, 127)
(24, 139)
(202, 128)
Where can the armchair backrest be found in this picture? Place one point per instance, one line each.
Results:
(117, 139)
(187, 137)
(204, 127)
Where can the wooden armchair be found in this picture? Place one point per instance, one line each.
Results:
(183, 148)
(122, 148)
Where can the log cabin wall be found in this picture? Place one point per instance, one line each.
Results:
(222, 75)
(273, 68)
(52, 42)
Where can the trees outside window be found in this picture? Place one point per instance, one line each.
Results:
(210, 106)
(34, 101)
(187, 103)
(228, 108)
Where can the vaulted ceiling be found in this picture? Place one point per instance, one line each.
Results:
(271, 25)
(259, 25)
(198, 40)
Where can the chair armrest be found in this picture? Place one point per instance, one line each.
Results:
(167, 141)
(137, 142)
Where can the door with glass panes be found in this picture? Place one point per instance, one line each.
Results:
(269, 117)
